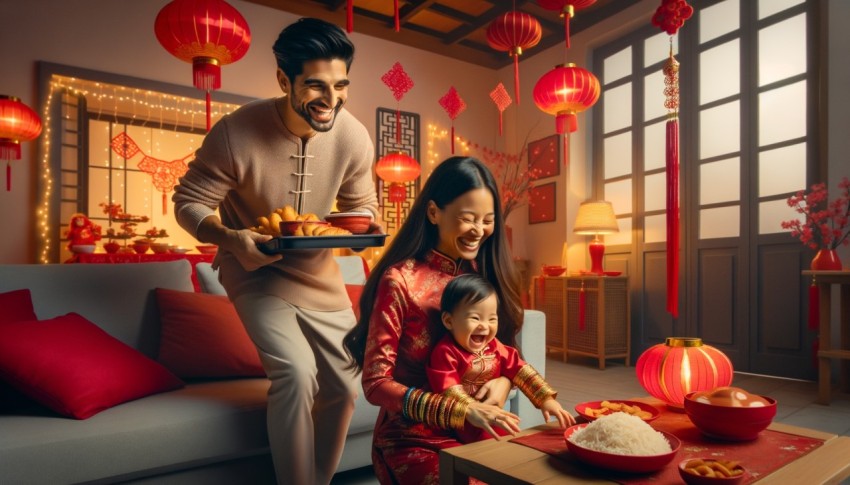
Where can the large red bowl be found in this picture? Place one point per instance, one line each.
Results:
(622, 463)
(356, 222)
(729, 422)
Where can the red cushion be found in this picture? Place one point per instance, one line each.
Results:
(202, 336)
(74, 368)
(354, 292)
(17, 306)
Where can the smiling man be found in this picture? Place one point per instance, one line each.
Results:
(305, 150)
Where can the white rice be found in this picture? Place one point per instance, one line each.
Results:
(621, 434)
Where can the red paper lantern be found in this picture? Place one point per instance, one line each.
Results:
(565, 91)
(671, 370)
(511, 33)
(207, 33)
(18, 122)
(397, 168)
(568, 9)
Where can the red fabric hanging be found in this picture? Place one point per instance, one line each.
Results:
(582, 307)
(814, 306)
(673, 217)
(349, 16)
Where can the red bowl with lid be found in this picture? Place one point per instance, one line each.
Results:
(553, 270)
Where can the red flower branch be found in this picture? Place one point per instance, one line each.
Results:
(826, 223)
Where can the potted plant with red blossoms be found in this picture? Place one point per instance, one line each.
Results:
(826, 225)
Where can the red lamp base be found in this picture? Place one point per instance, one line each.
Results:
(597, 250)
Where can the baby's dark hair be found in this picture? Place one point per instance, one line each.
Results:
(465, 290)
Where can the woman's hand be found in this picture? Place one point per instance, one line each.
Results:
(551, 408)
(487, 416)
(494, 391)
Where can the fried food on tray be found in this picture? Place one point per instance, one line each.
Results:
(270, 224)
(714, 468)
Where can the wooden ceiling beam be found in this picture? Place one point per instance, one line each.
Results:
(412, 8)
(477, 23)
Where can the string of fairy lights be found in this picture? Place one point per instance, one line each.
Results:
(117, 102)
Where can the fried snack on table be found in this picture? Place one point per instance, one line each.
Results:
(311, 226)
(613, 407)
(288, 213)
(714, 468)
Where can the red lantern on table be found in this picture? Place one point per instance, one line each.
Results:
(682, 365)
(564, 92)
(397, 169)
(207, 33)
(18, 122)
(511, 33)
(568, 9)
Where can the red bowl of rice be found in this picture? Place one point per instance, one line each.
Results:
(628, 463)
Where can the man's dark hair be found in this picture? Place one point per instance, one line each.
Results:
(308, 39)
(465, 289)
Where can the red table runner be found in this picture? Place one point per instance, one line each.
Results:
(766, 454)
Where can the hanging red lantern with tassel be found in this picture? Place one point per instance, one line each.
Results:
(669, 17)
(207, 33)
(564, 92)
(18, 122)
(397, 169)
(568, 9)
(512, 32)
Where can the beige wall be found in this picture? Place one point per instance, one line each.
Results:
(116, 36)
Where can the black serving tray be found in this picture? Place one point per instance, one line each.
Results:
(354, 241)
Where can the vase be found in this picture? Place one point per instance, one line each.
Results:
(826, 260)
(509, 235)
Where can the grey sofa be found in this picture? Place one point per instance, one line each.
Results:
(210, 432)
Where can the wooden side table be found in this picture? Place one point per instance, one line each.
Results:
(826, 350)
(598, 327)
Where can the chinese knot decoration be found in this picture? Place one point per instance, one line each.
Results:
(207, 33)
(511, 33)
(567, 9)
(397, 169)
(165, 174)
(454, 105)
(18, 122)
(400, 83)
(502, 99)
(670, 16)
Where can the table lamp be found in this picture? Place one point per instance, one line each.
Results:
(596, 217)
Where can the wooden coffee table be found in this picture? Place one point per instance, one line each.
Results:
(503, 462)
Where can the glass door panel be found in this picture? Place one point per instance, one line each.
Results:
(720, 130)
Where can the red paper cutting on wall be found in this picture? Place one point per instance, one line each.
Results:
(164, 174)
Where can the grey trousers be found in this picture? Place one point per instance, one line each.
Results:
(311, 397)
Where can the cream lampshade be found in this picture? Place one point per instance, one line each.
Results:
(596, 217)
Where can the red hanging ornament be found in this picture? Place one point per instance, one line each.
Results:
(511, 33)
(400, 83)
(454, 105)
(397, 169)
(670, 16)
(18, 122)
(207, 33)
(568, 9)
(814, 306)
(502, 99)
(564, 92)
(349, 16)
(582, 308)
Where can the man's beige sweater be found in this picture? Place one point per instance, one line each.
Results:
(248, 165)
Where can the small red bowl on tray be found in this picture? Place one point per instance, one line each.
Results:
(647, 412)
(622, 463)
(356, 222)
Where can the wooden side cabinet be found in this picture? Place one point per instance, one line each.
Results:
(598, 317)
(549, 295)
